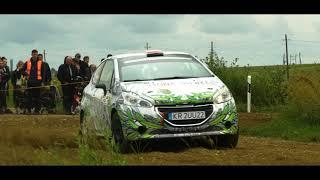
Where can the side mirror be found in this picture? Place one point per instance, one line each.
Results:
(102, 86)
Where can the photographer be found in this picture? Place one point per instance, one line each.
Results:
(4, 78)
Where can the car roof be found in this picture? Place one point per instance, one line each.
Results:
(144, 54)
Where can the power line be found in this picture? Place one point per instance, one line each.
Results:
(307, 41)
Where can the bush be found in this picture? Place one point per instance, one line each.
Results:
(268, 86)
(304, 99)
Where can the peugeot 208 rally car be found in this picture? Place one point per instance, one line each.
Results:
(156, 95)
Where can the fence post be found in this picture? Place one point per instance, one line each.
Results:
(249, 95)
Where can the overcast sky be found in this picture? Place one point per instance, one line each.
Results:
(254, 39)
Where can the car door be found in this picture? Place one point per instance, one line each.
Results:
(92, 97)
(105, 103)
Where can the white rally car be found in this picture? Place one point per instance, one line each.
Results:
(158, 95)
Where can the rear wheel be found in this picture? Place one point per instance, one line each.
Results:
(121, 143)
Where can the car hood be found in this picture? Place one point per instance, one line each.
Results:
(176, 91)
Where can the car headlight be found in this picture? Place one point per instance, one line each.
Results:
(131, 99)
(224, 96)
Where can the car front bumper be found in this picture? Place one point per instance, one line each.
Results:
(223, 120)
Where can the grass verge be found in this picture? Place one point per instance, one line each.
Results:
(285, 128)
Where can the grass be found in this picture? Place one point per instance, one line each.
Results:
(299, 118)
(284, 128)
(99, 151)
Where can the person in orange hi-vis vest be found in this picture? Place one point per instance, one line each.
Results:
(34, 70)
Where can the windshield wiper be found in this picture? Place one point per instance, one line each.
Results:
(174, 77)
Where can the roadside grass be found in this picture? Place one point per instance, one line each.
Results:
(299, 119)
(99, 151)
(285, 128)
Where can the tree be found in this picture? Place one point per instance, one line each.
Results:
(215, 63)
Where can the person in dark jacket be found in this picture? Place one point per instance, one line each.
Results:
(47, 71)
(4, 78)
(8, 70)
(67, 72)
(35, 75)
(18, 82)
(46, 99)
(86, 70)
(82, 66)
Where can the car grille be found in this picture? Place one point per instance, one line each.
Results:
(163, 111)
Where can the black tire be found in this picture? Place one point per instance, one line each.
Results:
(121, 143)
(228, 141)
(81, 122)
(82, 134)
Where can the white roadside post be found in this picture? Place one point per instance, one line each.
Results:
(249, 95)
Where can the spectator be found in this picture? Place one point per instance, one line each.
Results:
(4, 78)
(66, 73)
(86, 73)
(35, 72)
(18, 83)
(75, 62)
(47, 71)
(82, 66)
(8, 70)
(93, 68)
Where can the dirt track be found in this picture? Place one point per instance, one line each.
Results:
(52, 140)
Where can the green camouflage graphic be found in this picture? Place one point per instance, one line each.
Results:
(193, 98)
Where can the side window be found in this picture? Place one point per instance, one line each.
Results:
(107, 74)
(97, 73)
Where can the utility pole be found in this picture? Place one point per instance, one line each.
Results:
(284, 59)
(147, 46)
(300, 57)
(287, 56)
(211, 52)
(44, 55)
(295, 59)
(11, 65)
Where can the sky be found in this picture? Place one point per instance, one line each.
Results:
(253, 39)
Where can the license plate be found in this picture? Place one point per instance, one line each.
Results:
(187, 115)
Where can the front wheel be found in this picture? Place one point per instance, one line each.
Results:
(84, 128)
(121, 143)
(228, 140)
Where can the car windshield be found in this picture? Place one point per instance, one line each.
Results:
(159, 68)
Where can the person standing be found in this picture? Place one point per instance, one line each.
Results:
(8, 70)
(86, 73)
(45, 99)
(35, 73)
(4, 78)
(47, 70)
(93, 68)
(18, 83)
(67, 72)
